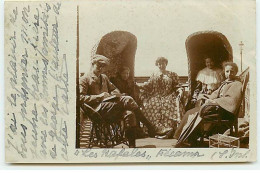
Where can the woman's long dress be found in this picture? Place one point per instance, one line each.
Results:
(160, 104)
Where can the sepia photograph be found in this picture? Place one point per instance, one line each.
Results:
(173, 76)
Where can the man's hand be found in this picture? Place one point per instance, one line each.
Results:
(104, 95)
(119, 94)
(209, 101)
(203, 96)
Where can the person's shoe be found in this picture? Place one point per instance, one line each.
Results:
(132, 143)
(168, 135)
(163, 131)
(162, 137)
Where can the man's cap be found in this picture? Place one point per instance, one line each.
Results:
(99, 59)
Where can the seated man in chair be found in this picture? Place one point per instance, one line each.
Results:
(98, 92)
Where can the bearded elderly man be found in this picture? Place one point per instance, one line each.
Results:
(96, 89)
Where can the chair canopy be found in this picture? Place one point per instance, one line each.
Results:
(120, 48)
(199, 44)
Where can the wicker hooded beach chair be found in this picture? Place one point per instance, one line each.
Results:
(198, 44)
(119, 47)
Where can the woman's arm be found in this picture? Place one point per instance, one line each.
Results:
(230, 99)
(214, 95)
(147, 87)
(176, 85)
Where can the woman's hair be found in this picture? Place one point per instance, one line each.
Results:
(234, 65)
(124, 68)
(208, 57)
(161, 59)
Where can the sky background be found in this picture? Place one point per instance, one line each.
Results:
(162, 29)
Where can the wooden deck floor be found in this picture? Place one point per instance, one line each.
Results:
(140, 143)
(152, 143)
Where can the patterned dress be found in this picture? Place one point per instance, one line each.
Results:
(160, 104)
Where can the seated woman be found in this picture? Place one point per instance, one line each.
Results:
(208, 80)
(227, 97)
(160, 96)
(124, 84)
(128, 87)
